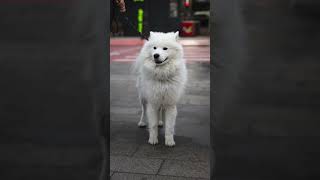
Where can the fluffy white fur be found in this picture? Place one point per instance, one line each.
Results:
(160, 83)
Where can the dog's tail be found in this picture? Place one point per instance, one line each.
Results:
(136, 66)
(135, 69)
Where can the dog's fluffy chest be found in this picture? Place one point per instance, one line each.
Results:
(163, 92)
(162, 85)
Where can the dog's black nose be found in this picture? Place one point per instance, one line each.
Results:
(156, 56)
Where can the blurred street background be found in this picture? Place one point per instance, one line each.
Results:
(191, 17)
(131, 156)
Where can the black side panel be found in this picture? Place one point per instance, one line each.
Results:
(53, 95)
(265, 90)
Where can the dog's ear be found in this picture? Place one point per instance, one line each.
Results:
(151, 34)
(176, 35)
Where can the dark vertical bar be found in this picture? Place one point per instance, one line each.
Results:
(265, 91)
(54, 94)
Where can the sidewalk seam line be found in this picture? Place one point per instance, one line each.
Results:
(162, 159)
(132, 155)
(162, 162)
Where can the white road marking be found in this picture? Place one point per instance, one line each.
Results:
(118, 52)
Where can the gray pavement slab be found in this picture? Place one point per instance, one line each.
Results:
(134, 165)
(128, 132)
(120, 148)
(130, 176)
(180, 152)
(185, 169)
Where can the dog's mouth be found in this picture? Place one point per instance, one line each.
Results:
(160, 62)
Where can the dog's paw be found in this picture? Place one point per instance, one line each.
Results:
(160, 123)
(142, 124)
(169, 141)
(153, 140)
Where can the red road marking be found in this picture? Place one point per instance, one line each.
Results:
(129, 53)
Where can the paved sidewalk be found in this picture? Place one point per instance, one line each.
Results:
(133, 158)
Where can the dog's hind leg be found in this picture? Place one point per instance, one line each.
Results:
(160, 117)
(142, 122)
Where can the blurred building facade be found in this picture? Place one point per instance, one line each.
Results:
(164, 16)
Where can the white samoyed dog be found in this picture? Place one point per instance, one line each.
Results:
(162, 75)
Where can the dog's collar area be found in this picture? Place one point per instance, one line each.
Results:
(161, 62)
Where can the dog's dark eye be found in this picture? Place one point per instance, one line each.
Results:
(165, 48)
(154, 47)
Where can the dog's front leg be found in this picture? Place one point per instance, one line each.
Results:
(170, 118)
(152, 114)
(160, 117)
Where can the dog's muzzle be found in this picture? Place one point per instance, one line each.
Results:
(156, 58)
(159, 62)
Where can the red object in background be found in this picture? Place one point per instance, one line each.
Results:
(186, 4)
(188, 28)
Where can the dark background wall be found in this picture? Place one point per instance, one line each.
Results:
(35, 21)
(156, 17)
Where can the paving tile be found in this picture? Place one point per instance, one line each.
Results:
(134, 165)
(125, 110)
(128, 132)
(195, 100)
(120, 118)
(122, 148)
(185, 169)
(130, 176)
(179, 152)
